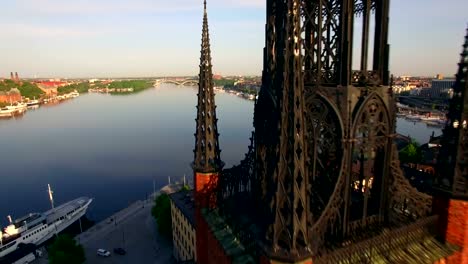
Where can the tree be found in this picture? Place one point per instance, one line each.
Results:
(65, 250)
(185, 188)
(411, 153)
(162, 212)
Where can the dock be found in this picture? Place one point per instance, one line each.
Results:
(133, 229)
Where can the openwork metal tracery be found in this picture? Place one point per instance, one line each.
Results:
(368, 160)
(320, 31)
(321, 172)
(325, 152)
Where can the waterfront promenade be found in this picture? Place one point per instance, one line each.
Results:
(133, 229)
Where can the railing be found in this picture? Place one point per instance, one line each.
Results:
(382, 244)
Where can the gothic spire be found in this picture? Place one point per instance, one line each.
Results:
(452, 173)
(207, 152)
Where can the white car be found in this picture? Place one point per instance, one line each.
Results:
(103, 253)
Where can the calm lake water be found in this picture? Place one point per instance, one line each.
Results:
(111, 148)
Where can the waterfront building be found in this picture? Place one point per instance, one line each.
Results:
(439, 88)
(183, 226)
(50, 87)
(12, 96)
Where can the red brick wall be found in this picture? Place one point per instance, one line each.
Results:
(209, 250)
(201, 237)
(205, 189)
(453, 226)
(13, 97)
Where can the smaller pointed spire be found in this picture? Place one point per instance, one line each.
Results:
(207, 151)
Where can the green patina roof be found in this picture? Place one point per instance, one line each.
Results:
(425, 250)
(232, 246)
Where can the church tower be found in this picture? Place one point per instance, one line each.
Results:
(207, 164)
(326, 168)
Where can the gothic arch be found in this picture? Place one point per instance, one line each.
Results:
(325, 152)
(370, 151)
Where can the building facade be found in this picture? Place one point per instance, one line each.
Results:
(440, 88)
(12, 96)
(183, 226)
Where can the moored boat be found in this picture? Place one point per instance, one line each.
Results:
(36, 228)
(32, 103)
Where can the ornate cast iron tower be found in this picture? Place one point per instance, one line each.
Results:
(207, 163)
(451, 183)
(326, 169)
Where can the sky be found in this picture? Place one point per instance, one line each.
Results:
(137, 38)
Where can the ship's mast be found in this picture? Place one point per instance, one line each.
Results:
(51, 197)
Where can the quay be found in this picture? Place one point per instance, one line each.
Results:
(133, 229)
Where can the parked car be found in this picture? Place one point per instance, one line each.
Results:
(120, 251)
(103, 253)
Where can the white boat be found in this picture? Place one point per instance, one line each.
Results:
(36, 228)
(6, 112)
(413, 117)
(17, 107)
(32, 103)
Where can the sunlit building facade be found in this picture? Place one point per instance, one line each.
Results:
(183, 226)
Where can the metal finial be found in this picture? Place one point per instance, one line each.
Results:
(204, 4)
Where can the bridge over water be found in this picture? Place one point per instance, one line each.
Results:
(188, 81)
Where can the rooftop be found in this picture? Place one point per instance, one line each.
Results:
(185, 202)
(230, 243)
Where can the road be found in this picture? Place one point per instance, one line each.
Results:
(133, 229)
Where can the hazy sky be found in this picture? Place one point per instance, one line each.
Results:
(106, 38)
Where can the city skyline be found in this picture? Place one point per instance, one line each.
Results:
(51, 38)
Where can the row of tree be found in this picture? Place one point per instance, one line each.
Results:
(27, 89)
(162, 213)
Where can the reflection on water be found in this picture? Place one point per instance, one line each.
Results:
(109, 147)
(112, 147)
(417, 130)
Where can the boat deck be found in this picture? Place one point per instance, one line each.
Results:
(64, 209)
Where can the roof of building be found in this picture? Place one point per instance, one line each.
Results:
(50, 83)
(230, 243)
(185, 202)
(414, 243)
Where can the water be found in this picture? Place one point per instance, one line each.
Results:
(417, 130)
(111, 148)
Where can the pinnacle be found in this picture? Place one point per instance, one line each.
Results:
(207, 152)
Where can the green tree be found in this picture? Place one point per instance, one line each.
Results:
(30, 90)
(65, 250)
(162, 212)
(79, 87)
(185, 188)
(411, 153)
